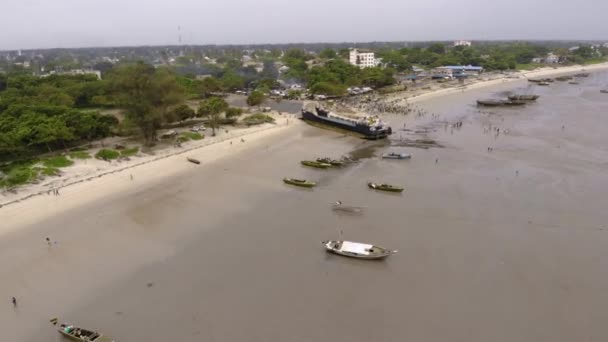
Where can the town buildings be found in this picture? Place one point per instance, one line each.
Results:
(462, 43)
(362, 58)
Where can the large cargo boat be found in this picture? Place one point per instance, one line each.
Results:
(371, 126)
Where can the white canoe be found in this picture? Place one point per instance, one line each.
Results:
(357, 249)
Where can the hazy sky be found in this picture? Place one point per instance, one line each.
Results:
(78, 23)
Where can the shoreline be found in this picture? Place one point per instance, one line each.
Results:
(82, 189)
(520, 75)
(32, 191)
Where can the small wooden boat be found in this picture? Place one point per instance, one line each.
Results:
(583, 74)
(357, 250)
(339, 206)
(332, 162)
(192, 160)
(316, 164)
(299, 182)
(563, 78)
(534, 81)
(82, 335)
(394, 155)
(490, 103)
(385, 187)
(573, 82)
(605, 91)
(514, 103)
(523, 97)
(543, 83)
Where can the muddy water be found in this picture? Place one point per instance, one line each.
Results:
(507, 245)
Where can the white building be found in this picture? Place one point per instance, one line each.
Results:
(362, 58)
(462, 43)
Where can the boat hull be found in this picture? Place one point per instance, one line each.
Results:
(357, 250)
(300, 183)
(361, 129)
(382, 187)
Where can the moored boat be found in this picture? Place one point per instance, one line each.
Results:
(339, 206)
(299, 182)
(394, 155)
(332, 162)
(583, 74)
(490, 103)
(543, 83)
(357, 249)
(316, 164)
(605, 91)
(573, 82)
(370, 126)
(194, 161)
(385, 187)
(82, 335)
(563, 78)
(517, 97)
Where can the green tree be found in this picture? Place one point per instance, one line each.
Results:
(437, 48)
(146, 94)
(233, 112)
(212, 108)
(231, 81)
(255, 98)
(183, 112)
(328, 53)
(210, 85)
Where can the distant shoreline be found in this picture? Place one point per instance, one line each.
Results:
(521, 75)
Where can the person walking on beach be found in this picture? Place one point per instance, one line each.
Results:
(14, 302)
(48, 241)
(131, 177)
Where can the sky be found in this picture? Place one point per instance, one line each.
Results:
(26, 24)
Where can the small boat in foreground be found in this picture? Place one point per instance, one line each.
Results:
(299, 182)
(385, 187)
(192, 160)
(332, 162)
(523, 97)
(82, 335)
(357, 250)
(490, 103)
(339, 206)
(605, 91)
(316, 164)
(394, 155)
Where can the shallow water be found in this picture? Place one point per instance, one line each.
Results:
(508, 245)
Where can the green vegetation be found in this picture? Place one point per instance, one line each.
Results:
(212, 109)
(79, 155)
(45, 114)
(129, 152)
(255, 98)
(18, 174)
(57, 162)
(336, 75)
(107, 154)
(257, 119)
(233, 112)
(185, 136)
(146, 94)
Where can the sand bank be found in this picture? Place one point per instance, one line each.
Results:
(94, 179)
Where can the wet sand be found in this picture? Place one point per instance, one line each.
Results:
(506, 245)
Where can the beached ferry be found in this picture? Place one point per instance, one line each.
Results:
(371, 126)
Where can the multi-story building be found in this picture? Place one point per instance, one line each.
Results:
(362, 58)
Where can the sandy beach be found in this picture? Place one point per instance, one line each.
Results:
(507, 245)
